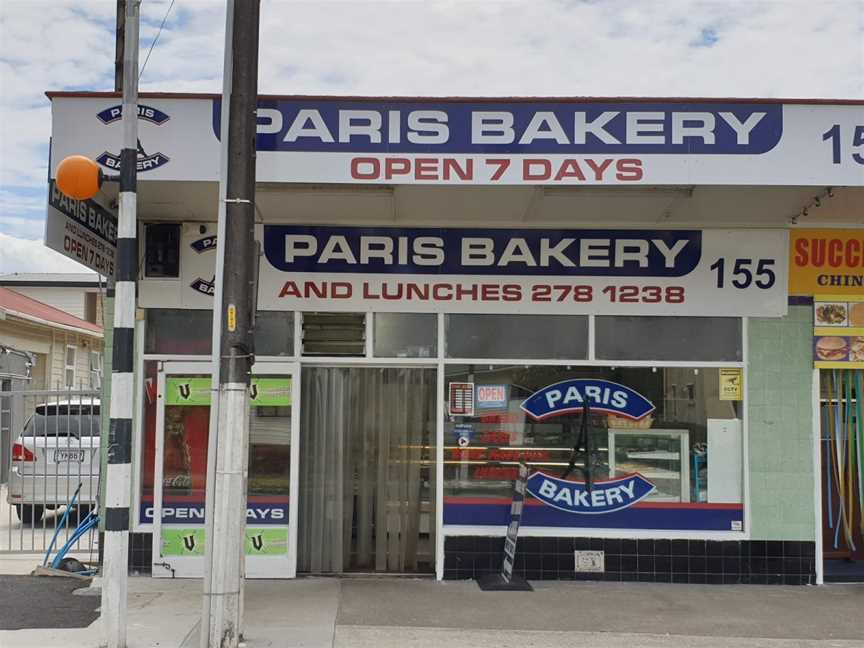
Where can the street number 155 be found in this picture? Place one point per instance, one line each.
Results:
(744, 274)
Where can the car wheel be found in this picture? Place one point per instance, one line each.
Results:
(29, 513)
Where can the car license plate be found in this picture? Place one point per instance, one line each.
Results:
(62, 456)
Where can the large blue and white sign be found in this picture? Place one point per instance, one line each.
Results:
(531, 127)
(486, 141)
(533, 271)
(570, 396)
(605, 497)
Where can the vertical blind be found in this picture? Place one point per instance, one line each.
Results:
(367, 491)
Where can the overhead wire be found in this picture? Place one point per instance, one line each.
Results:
(153, 44)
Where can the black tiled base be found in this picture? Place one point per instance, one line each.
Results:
(726, 562)
(140, 552)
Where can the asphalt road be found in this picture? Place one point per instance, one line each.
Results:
(45, 602)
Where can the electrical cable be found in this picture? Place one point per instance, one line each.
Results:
(153, 44)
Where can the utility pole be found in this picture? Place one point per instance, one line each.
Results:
(118, 476)
(119, 41)
(235, 297)
(108, 303)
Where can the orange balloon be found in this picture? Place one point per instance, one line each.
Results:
(78, 177)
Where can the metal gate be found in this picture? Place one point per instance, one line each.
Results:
(52, 448)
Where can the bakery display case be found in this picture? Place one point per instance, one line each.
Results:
(660, 456)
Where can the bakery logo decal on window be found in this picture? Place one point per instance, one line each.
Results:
(146, 161)
(570, 396)
(201, 285)
(604, 396)
(604, 497)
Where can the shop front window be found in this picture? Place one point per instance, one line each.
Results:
(661, 447)
(517, 336)
(176, 331)
(669, 338)
(184, 439)
(406, 335)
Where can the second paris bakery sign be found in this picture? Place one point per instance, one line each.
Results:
(637, 272)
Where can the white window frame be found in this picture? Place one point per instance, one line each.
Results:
(67, 367)
(96, 369)
(440, 362)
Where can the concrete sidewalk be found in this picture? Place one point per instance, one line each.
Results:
(410, 613)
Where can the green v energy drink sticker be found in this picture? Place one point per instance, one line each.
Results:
(263, 392)
(266, 542)
(270, 392)
(183, 542)
(181, 390)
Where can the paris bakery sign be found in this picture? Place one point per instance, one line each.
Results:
(553, 142)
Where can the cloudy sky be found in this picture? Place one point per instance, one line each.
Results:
(725, 48)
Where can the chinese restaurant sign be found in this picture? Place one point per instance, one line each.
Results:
(553, 142)
(838, 336)
(823, 261)
(535, 271)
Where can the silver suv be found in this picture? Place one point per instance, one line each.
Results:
(58, 449)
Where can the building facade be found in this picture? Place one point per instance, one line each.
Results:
(65, 351)
(448, 289)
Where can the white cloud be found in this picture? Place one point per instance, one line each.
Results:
(757, 48)
(26, 255)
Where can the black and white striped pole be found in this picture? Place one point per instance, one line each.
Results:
(115, 561)
(80, 178)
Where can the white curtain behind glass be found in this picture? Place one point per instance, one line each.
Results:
(366, 473)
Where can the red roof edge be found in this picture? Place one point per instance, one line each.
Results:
(14, 301)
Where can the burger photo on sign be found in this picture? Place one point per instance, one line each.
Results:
(856, 353)
(831, 348)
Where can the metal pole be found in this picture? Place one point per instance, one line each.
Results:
(119, 471)
(108, 301)
(228, 510)
(119, 38)
(204, 635)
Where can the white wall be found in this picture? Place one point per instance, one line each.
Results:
(70, 299)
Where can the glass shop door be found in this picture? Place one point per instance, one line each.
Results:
(182, 437)
(367, 473)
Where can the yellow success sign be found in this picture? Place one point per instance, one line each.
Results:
(826, 261)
